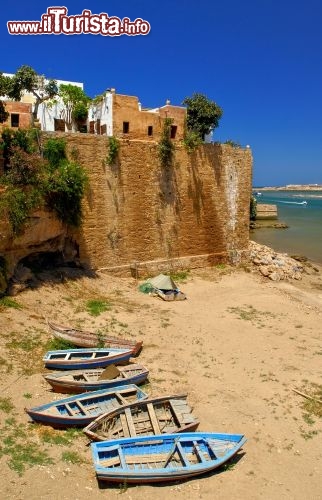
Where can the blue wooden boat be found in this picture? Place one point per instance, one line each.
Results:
(75, 381)
(74, 359)
(165, 457)
(81, 409)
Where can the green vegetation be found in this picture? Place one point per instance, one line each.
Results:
(96, 307)
(313, 405)
(113, 150)
(56, 344)
(6, 405)
(203, 115)
(249, 313)
(65, 191)
(166, 146)
(54, 151)
(27, 79)
(191, 140)
(60, 438)
(179, 276)
(25, 350)
(232, 143)
(76, 104)
(21, 451)
(9, 302)
(220, 266)
(72, 457)
(31, 181)
(24, 342)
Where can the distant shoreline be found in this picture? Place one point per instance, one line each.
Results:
(291, 187)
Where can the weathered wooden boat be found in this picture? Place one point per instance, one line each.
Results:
(72, 359)
(81, 409)
(163, 415)
(166, 457)
(75, 381)
(82, 338)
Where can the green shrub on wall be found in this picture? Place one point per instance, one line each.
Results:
(65, 191)
(191, 140)
(54, 151)
(16, 204)
(32, 181)
(166, 146)
(113, 150)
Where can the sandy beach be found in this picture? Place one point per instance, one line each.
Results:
(237, 346)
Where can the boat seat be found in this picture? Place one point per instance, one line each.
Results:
(198, 452)
(177, 415)
(122, 458)
(124, 425)
(153, 418)
(81, 407)
(70, 410)
(130, 423)
(183, 455)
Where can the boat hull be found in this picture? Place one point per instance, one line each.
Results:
(80, 410)
(73, 383)
(76, 359)
(82, 338)
(163, 458)
(167, 414)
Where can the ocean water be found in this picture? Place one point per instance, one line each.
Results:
(304, 235)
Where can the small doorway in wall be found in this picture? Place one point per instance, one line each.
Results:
(126, 127)
(14, 119)
(150, 131)
(173, 131)
(59, 125)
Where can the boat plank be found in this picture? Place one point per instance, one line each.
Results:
(124, 425)
(120, 398)
(130, 423)
(122, 458)
(82, 408)
(153, 418)
(70, 410)
(175, 411)
(182, 454)
(145, 459)
(198, 452)
(110, 462)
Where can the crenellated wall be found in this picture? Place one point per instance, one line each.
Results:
(190, 214)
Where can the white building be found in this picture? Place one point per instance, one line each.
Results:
(49, 116)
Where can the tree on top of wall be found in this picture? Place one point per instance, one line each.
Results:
(203, 115)
(76, 104)
(4, 88)
(26, 79)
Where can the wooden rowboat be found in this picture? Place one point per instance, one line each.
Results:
(166, 457)
(82, 338)
(81, 409)
(72, 359)
(164, 415)
(75, 381)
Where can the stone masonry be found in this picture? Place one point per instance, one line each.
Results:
(136, 213)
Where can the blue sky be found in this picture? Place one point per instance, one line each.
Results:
(260, 60)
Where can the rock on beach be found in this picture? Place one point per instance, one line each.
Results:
(273, 265)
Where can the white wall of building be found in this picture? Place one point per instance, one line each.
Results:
(103, 111)
(46, 113)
